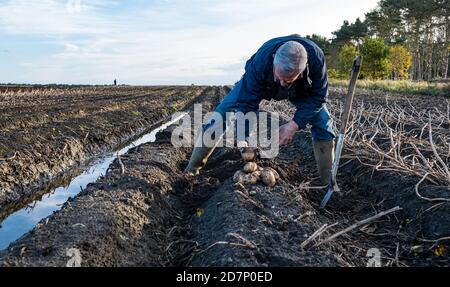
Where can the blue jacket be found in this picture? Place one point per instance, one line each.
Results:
(308, 93)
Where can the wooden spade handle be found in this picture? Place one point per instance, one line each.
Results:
(351, 92)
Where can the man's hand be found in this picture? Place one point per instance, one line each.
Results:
(287, 132)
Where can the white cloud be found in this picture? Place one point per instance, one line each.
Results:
(163, 42)
(52, 18)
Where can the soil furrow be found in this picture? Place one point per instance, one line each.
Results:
(153, 215)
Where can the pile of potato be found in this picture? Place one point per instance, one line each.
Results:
(252, 173)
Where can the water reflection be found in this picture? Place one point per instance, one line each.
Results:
(24, 220)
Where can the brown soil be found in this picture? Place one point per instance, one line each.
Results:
(45, 132)
(153, 215)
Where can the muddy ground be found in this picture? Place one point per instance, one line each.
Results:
(153, 215)
(47, 131)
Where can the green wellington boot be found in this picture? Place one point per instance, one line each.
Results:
(324, 155)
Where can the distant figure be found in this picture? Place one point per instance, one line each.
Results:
(115, 82)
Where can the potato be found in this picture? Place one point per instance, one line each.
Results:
(249, 179)
(245, 179)
(268, 177)
(248, 155)
(277, 175)
(250, 167)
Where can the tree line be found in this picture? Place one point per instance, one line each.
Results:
(399, 39)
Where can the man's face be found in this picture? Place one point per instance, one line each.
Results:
(284, 80)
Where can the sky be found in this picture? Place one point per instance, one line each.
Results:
(153, 42)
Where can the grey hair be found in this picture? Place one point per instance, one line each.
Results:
(291, 58)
